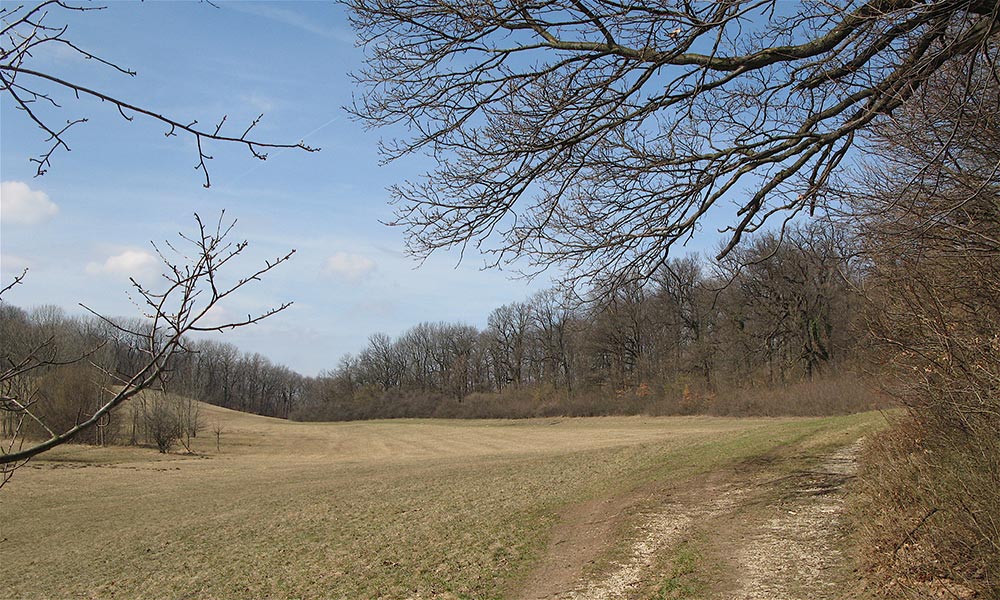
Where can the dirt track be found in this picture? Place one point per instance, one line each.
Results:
(761, 535)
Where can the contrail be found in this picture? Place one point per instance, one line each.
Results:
(282, 151)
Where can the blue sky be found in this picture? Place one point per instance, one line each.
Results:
(85, 226)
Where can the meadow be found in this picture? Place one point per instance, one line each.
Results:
(377, 509)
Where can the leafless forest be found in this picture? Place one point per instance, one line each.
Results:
(698, 338)
(860, 269)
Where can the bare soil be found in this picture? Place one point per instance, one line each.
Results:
(796, 550)
(771, 530)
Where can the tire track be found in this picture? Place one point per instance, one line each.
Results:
(795, 554)
(784, 543)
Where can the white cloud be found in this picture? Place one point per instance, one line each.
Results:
(24, 206)
(11, 263)
(293, 19)
(351, 267)
(258, 102)
(132, 263)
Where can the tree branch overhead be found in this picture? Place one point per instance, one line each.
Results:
(597, 135)
(25, 30)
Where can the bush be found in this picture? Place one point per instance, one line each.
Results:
(164, 423)
(932, 235)
(833, 395)
(926, 513)
(822, 396)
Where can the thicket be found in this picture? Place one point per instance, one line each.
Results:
(930, 206)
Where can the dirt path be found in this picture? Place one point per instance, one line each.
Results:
(796, 551)
(766, 537)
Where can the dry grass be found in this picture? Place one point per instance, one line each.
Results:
(928, 512)
(390, 509)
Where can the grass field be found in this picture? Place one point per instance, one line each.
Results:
(388, 509)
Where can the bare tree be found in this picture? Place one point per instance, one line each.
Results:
(25, 30)
(619, 338)
(596, 134)
(509, 327)
(686, 306)
(218, 430)
(191, 287)
(382, 361)
(790, 300)
(189, 412)
(553, 315)
(930, 201)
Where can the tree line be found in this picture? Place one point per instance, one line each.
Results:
(87, 359)
(778, 311)
(781, 310)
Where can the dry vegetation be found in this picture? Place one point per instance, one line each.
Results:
(393, 509)
(931, 502)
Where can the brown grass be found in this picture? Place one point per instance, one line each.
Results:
(389, 509)
(923, 506)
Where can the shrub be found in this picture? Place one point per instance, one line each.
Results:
(163, 422)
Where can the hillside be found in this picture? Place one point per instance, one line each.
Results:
(385, 509)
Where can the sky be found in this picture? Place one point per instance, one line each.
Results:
(85, 226)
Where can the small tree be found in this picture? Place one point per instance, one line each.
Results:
(189, 414)
(217, 430)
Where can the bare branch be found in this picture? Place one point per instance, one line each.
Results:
(597, 135)
(18, 279)
(26, 30)
(171, 314)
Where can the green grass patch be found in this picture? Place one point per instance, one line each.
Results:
(681, 583)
